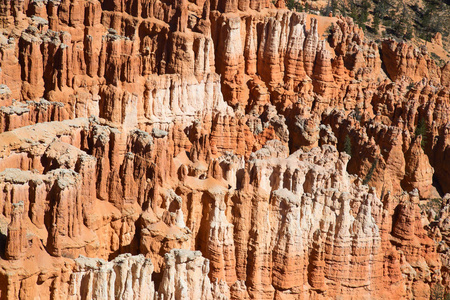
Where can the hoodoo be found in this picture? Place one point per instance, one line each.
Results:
(197, 149)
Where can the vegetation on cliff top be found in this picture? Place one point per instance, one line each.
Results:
(395, 18)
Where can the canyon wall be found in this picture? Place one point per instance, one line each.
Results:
(216, 150)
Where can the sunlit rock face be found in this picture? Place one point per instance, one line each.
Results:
(217, 150)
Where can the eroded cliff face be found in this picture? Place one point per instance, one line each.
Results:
(196, 150)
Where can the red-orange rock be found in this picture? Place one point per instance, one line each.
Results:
(207, 139)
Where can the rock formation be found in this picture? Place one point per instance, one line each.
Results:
(217, 150)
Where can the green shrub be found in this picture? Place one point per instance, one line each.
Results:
(421, 129)
(294, 5)
(371, 170)
(348, 145)
(437, 292)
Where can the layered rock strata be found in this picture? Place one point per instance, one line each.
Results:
(216, 150)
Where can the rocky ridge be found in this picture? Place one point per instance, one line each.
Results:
(196, 150)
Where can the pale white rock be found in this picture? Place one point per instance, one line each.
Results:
(185, 276)
(170, 98)
(126, 277)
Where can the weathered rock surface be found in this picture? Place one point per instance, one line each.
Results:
(197, 150)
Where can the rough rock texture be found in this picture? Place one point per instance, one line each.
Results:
(125, 277)
(217, 150)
